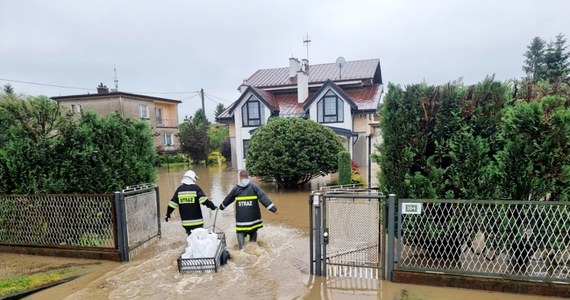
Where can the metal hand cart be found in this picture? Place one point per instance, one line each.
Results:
(206, 264)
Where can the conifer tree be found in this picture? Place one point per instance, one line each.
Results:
(534, 65)
(556, 59)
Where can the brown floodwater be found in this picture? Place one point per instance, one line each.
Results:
(277, 267)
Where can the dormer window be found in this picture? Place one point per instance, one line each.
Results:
(252, 112)
(330, 109)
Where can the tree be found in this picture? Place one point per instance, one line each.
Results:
(8, 89)
(534, 158)
(219, 109)
(534, 65)
(292, 151)
(43, 151)
(193, 136)
(556, 59)
(216, 136)
(344, 168)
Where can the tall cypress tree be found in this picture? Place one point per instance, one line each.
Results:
(556, 59)
(534, 65)
(193, 136)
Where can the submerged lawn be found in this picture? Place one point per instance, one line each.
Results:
(23, 283)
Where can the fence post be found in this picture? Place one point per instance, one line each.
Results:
(391, 227)
(121, 228)
(324, 235)
(158, 217)
(318, 225)
(311, 249)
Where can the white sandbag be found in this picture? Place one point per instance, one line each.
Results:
(188, 251)
(212, 245)
(202, 244)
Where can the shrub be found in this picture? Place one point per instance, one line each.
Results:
(213, 158)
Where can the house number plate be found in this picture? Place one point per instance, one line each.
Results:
(411, 208)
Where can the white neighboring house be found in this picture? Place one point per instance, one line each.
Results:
(346, 100)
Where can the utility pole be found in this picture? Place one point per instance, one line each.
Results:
(205, 123)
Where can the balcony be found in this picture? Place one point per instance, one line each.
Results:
(160, 122)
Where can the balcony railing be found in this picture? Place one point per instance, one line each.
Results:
(159, 122)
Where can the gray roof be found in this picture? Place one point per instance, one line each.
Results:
(352, 70)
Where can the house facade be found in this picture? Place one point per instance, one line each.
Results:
(344, 98)
(161, 113)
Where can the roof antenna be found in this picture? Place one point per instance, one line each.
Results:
(115, 79)
(307, 40)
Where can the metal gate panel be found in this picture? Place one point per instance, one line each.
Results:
(349, 236)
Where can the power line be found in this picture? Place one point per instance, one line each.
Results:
(46, 84)
(212, 100)
(190, 97)
(196, 93)
(224, 100)
(165, 93)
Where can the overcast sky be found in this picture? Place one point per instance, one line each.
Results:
(172, 49)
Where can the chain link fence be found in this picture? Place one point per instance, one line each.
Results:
(114, 227)
(58, 220)
(508, 239)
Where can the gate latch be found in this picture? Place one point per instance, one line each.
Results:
(326, 236)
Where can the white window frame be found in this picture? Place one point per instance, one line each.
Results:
(143, 111)
(168, 139)
(76, 108)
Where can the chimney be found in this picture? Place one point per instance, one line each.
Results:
(102, 89)
(294, 66)
(305, 64)
(302, 86)
(243, 87)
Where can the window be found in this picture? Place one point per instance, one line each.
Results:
(143, 111)
(245, 142)
(330, 109)
(252, 113)
(158, 115)
(168, 139)
(76, 108)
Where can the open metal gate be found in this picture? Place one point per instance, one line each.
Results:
(347, 233)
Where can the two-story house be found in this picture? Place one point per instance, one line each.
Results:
(161, 113)
(344, 97)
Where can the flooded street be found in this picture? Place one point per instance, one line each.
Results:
(277, 267)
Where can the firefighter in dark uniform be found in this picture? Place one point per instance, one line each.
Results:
(187, 199)
(247, 196)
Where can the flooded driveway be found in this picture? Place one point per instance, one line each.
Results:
(277, 267)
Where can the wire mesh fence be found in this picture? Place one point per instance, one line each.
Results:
(509, 239)
(114, 227)
(57, 220)
(142, 220)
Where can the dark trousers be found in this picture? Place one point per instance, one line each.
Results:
(241, 237)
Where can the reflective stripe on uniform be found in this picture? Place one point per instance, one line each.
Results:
(270, 206)
(203, 199)
(240, 228)
(248, 223)
(240, 198)
(186, 197)
(192, 222)
(173, 204)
